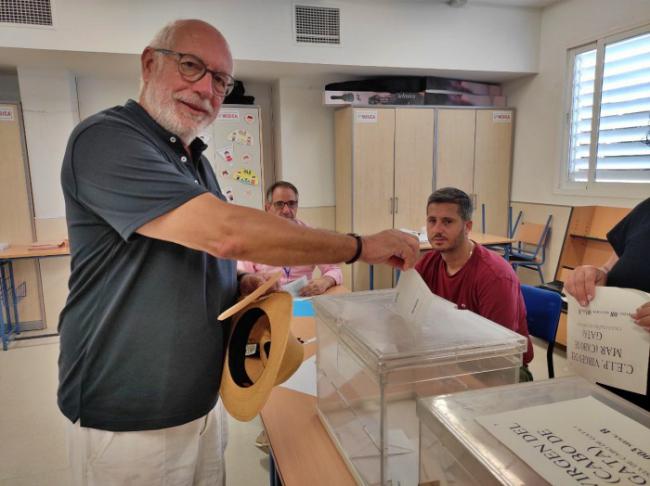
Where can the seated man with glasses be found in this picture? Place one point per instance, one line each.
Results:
(282, 200)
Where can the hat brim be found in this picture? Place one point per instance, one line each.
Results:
(252, 297)
(242, 400)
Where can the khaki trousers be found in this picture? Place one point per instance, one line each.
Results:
(189, 454)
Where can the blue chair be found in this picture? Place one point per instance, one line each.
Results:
(543, 308)
(529, 248)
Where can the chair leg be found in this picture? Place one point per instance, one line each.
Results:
(549, 360)
(541, 275)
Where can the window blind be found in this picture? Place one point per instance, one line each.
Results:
(622, 149)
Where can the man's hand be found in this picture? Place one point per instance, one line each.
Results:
(250, 281)
(317, 286)
(393, 247)
(582, 283)
(642, 316)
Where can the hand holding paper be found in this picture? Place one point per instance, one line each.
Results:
(642, 316)
(605, 344)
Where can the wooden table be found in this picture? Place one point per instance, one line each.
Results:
(9, 319)
(17, 252)
(302, 452)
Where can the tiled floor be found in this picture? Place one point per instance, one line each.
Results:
(32, 428)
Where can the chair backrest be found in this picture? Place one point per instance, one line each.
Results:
(531, 237)
(543, 308)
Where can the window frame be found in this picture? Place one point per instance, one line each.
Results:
(592, 187)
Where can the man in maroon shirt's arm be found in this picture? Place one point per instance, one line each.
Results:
(468, 274)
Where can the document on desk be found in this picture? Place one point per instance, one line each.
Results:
(296, 286)
(604, 345)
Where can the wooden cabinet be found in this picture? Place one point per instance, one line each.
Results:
(384, 174)
(389, 160)
(585, 243)
(474, 153)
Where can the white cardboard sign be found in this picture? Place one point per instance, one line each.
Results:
(576, 442)
(604, 345)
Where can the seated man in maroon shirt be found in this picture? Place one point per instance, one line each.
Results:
(468, 274)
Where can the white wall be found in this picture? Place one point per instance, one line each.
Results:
(50, 112)
(97, 94)
(406, 33)
(540, 120)
(305, 132)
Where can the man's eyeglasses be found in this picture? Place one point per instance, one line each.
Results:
(279, 205)
(192, 69)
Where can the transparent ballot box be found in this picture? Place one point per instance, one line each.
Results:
(563, 431)
(374, 361)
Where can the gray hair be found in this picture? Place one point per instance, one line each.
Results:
(165, 36)
(453, 195)
(285, 184)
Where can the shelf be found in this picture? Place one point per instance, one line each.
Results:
(588, 237)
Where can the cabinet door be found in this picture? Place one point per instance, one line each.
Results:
(455, 149)
(413, 166)
(372, 182)
(16, 213)
(493, 168)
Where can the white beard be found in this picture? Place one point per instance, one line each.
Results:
(162, 109)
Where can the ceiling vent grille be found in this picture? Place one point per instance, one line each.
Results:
(318, 25)
(26, 12)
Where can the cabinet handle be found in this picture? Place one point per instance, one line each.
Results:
(396, 205)
(391, 208)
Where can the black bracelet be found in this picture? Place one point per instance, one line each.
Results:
(357, 254)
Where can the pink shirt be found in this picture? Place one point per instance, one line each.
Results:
(289, 274)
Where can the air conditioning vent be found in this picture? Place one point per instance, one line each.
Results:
(26, 12)
(318, 25)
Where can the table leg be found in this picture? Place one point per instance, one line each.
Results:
(14, 299)
(274, 478)
(506, 251)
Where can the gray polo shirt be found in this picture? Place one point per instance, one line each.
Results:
(141, 347)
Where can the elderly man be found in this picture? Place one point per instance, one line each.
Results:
(153, 247)
(282, 200)
(468, 274)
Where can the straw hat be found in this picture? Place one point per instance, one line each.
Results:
(262, 352)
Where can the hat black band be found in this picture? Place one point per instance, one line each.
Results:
(237, 347)
(357, 254)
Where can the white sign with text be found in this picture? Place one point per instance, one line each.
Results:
(581, 441)
(604, 345)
